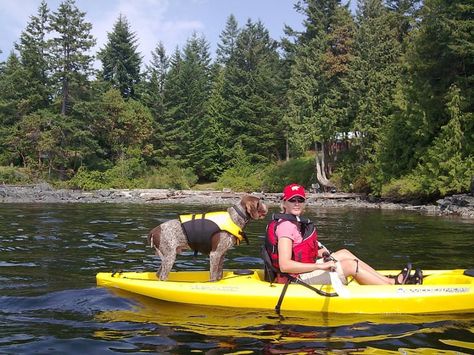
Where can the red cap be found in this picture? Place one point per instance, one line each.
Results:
(293, 190)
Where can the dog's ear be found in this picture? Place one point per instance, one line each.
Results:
(255, 209)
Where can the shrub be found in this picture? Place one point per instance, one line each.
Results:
(170, 176)
(408, 188)
(12, 175)
(301, 171)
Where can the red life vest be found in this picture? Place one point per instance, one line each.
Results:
(305, 252)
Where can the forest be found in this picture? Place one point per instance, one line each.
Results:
(379, 101)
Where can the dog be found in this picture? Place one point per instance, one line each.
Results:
(222, 230)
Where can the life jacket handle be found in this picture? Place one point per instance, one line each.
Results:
(290, 217)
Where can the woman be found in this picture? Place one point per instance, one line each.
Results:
(294, 249)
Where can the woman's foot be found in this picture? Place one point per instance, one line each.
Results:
(417, 278)
(404, 275)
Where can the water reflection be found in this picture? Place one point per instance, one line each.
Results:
(49, 255)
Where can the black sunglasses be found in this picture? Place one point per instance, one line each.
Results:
(297, 199)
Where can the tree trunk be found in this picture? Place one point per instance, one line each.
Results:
(320, 169)
(287, 147)
(65, 96)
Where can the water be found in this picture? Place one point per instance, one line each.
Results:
(49, 302)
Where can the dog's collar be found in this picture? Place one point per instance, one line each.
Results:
(241, 213)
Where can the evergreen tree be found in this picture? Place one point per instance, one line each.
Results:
(253, 92)
(14, 88)
(405, 16)
(33, 49)
(228, 40)
(173, 117)
(318, 83)
(195, 75)
(69, 49)
(214, 157)
(374, 76)
(154, 93)
(120, 59)
(438, 57)
(448, 165)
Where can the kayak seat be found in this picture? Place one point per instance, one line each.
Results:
(270, 272)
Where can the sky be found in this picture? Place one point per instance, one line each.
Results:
(170, 21)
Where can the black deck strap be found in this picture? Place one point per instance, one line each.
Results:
(292, 279)
(319, 292)
(116, 272)
(469, 272)
(282, 296)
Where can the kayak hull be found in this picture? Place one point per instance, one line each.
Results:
(443, 291)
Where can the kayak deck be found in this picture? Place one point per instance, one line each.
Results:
(443, 291)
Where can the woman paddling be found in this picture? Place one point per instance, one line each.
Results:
(293, 247)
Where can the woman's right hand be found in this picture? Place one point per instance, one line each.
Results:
(327, 265)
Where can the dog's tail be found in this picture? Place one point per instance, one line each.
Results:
(154, 238)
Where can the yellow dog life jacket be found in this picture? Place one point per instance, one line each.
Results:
(199, 228)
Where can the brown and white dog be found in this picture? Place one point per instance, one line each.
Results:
(169, 238)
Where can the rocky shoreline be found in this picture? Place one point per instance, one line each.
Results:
(460, 205)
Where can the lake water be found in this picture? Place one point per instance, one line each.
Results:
(49, 302)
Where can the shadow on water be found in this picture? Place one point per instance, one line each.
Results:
(49, 255)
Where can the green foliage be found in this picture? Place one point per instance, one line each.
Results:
(393, 84)
(448, 165)
(124, 175)
(14, 176)
(69, 46)
(120, 59)
(300, 171)
(408, 188)
(171, 176)
(243, 175)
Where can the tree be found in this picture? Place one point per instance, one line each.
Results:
(405, 16)
(14, 88)
(228, 40)
(438, 58)
(122, 126)
(187, 90)
(374, 76)
(317, 87)
(214, 158)
(120, 59)
(154, 92)
(69, 49)
(33, 50)
(253, 91)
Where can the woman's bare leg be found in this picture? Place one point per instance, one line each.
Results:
(361, 271)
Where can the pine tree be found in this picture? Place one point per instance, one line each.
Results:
(374, 78)
(213, 158)
(173, 116)
(253, 92)
(120, 59)
(448, 165)
(405, 16)
(317, 113)
(154, 93)
(34, 53)
(70, 45)
(438, 57)
(195, 77)
(228, 40)
(14, 88)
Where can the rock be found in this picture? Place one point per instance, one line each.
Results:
(460, 204)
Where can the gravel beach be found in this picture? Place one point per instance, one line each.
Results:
(460, 205)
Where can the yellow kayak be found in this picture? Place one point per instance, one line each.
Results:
(443, 291)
